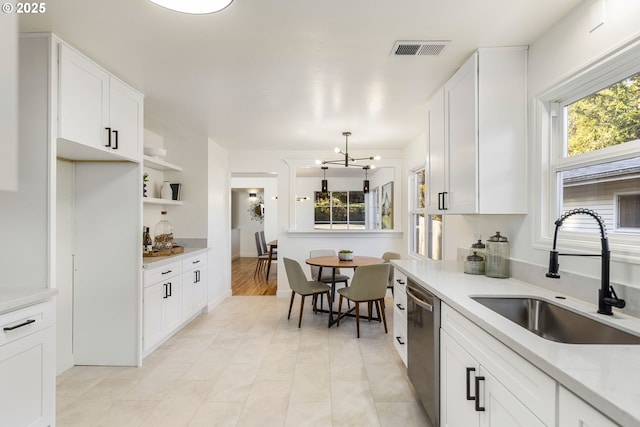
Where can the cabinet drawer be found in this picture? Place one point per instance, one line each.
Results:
(399, 299)
(400, 333)
(154, 275)
(25, 321)
(194, 261)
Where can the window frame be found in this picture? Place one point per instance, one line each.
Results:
(415, 211)
(549, 139)
(616, 212)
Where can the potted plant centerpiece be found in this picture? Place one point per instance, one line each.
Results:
(345, 255)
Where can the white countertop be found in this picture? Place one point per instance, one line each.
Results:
(606, 376)
(14, 298)
(149, 262)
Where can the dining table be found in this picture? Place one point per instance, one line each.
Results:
(334, 262)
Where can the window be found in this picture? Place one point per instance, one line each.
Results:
(339, 210)
(597, 146)
(417, 210)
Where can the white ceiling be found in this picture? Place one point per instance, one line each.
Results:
(290, 74)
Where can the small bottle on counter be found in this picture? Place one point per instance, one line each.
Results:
(498, 262)
(147, 243)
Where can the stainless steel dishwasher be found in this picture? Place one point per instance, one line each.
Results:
(423, 347)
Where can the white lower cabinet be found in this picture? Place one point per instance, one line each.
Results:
(162, 305)
(484, 383)
(27, 370)
(194, 280)
(400, 315)
(575, 412)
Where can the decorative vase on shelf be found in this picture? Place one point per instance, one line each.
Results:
(165, 190)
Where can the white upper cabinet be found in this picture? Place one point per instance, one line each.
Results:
(477, 136)
(100, 118)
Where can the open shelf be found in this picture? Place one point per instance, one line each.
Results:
(154, 201)
(161, 165)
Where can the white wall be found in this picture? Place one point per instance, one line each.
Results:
(565, 49)
(218, 217)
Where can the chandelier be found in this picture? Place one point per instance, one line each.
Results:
(348, 160)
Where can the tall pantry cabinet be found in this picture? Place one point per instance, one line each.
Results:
(91, 123)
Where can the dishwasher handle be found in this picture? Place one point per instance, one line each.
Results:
(419, 301)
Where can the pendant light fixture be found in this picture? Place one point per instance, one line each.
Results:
(325, 187)
(196, 7)
(365, 186)
(348, 160)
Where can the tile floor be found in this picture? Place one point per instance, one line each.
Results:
(244, 364)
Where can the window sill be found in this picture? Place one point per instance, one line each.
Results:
(345, 233)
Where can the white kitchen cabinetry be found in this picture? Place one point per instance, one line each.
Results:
(400, 314)
(194, 282)
(574, 412)
(96, 110)
(27, 369)
(484, 383)
(479, 163)
(162, 304)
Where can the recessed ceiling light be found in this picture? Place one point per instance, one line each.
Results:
(198, 7)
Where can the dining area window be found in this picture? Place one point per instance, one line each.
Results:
(339, 210)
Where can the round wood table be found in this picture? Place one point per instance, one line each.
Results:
(334, 263)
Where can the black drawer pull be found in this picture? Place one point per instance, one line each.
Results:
(478, 407)
(108, 137)
(195, 262)
(400, 307)
(167, 272)
(400, 341)
(400, 281)
(469, 397)
(166, 294)
(115, 145)
(25, 323)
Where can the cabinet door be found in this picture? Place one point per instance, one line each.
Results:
(154, 297)
(188, 290)
(173, 305)
(458, 370)
(461, 100)
(200, 290)
(84, 100)
(125, 120)
(501, 407)
(400, 332)
(574, 412)
(436, 153)
(27, 386)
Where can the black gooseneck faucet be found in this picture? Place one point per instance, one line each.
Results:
(607, 297)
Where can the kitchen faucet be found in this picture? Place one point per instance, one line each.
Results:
(607, 297)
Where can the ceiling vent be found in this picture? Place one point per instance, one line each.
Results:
(417, 48)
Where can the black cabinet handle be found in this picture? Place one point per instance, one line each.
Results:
(469, 397)
(400, 281)
(167, 272)
(166, 295)
(478, 407)
(195, 262)
(25, 323)
(108, 137)
(399, 339)
(170, 289)
(115, 144)
(400, 307)
(198, 275)
(444, 203)
(439, 201)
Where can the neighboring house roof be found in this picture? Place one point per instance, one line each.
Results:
(603, 171)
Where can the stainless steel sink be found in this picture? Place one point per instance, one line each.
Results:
(555, 323)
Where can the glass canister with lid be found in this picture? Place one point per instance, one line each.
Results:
(163, 234)
(498, 253)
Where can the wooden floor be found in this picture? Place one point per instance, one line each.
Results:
(244, 284)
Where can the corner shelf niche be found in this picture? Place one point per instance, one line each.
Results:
(160, 165)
